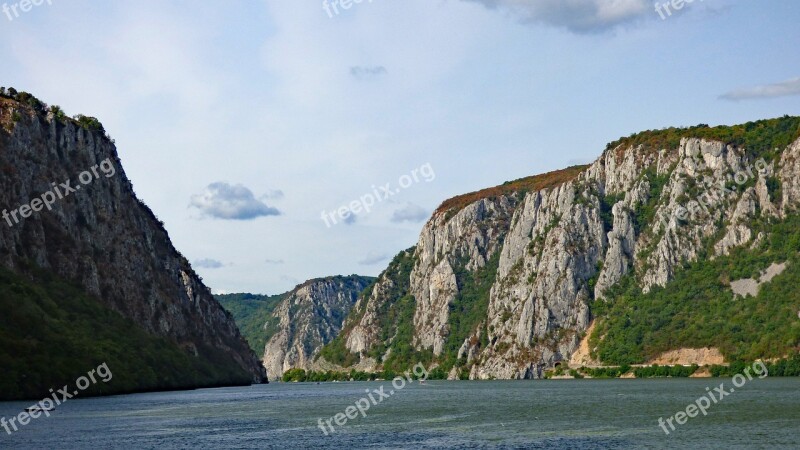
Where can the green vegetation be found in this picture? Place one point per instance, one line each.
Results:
(760, 138)
(785, 367)
(302, 376)
(395, 321)
(607, 203)
(606, 372)
(775, 189)
(253, 315)
(645, 213)
(469, 308)
(58, 113)
(656, 371)
(698, 309)
(89, 123)
(41, 108)
(51, 333)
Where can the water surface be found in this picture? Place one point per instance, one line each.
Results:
(574, 414)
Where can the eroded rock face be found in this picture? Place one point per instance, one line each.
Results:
(467, 239)
(632, 212)
(104, 238)
(310, 316)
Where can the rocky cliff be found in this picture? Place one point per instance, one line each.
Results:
(291, 328)
(505, 282)
(70, 212)
(310, 317)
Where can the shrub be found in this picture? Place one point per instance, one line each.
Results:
(58, 113)
(89, 123)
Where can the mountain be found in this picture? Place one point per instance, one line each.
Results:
(292, 327)
(88, 274)
(682, 241)
(253, 316)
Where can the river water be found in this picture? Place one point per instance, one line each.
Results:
(570, 414)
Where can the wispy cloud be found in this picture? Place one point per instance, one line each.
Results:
(231, 202)
(783, 89)
(363, 72)
(208, 264)
(410, 213)
(373, 258)
(274, 261)
(579, 16)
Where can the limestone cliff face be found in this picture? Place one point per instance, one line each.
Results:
(309, 317)
(562, 240)
(102, 237)
(467, 239)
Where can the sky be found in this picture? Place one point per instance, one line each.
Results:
(247, 125)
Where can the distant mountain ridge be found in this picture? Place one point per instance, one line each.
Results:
(291, 328)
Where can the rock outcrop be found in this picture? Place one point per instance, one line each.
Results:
(102, 237)
(551, 245)
(309, 317)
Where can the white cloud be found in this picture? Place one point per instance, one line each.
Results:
(783, 89)
(410, 213)
(274, 261)
(580, 16)
(231, 202)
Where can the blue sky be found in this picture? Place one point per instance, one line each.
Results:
(239, 122)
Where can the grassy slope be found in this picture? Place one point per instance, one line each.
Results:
(253, 316)
(51, 332)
